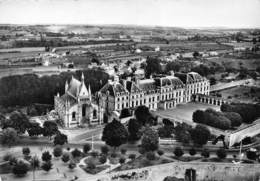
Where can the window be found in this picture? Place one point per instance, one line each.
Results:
(118, 99)
(73, 115)
(153, 99)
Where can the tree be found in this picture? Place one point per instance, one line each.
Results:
(9, 137)
(46, 156)
(142, 114)
(65, 157)
(18, 121)
(123, 151)
(150, 155)
(212, 81)
(152, 66)
(104, 150)
(86, 148)
(50, 128)
(121, 160)
(134, 130)
(35, 162)
(205, 153)
(167, 122)
(192, 151)
(198, 116)
(132, 156)
(150, 140)
(178, 152)
(196, 54)
(72, 165)
(124, 113)
(200, 135)
(251, 154)
(60, 139)
(26, 151)
(76, 153)
(35, 130)
(20, 168)
(103, 159)
(166, 131)
(235, 118)
(46, 166)
(57, 151)
(221, 153)
(160, 152)
(115, 134)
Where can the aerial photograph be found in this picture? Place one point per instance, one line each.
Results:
(129, 90)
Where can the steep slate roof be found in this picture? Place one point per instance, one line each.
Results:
(132, 87)
(195, 76)
(69, 98)
(113, 88)
(147, 84)
(74, 87)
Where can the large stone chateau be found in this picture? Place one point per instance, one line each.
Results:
(76, 107)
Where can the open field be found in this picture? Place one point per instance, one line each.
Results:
(250, 64)
(241, 93)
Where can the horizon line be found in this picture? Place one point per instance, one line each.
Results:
(134, 25)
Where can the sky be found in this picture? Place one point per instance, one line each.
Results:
(175, 13)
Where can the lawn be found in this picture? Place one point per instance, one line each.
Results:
(185, 111)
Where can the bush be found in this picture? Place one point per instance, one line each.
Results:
(104, 149)
(47, 166)
(57, 151)
(65, 157)
(123, 151)
(9, 157)
(94, 153)
(192, 151)
(141, 150)
(178, 152)
(205, 153)
(91, 165)
(113, 155)
(122, 160)
(46, 156)
(20, 168)
(160, 152)
(72, 165)
(76, 153)
(221, 153)
(150, 155)
(86, 148)
(132, 156)
(102, 159)
(26, 151)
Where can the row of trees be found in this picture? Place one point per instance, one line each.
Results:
(248, 112)
(185, 133)
(217, 119)
(29, 88)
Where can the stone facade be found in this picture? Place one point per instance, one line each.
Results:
(76, 107)
(159, 92)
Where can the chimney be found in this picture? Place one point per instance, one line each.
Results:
(172, 72)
